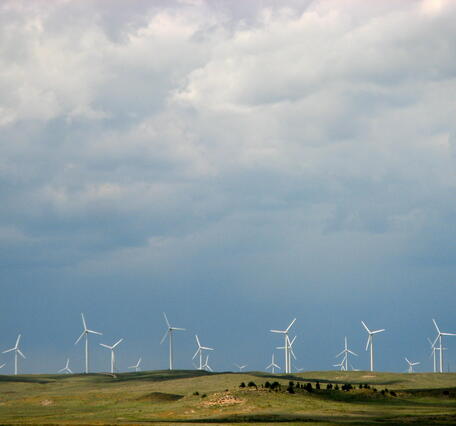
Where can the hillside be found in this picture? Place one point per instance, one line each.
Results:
(187, 397)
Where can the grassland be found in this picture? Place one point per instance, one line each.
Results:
(164, 398)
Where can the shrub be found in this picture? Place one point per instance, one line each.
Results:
(392, 393)
(290, 389)
(336, 387)
(196, 393)
(252, 385)
(317, 386)
(242, 385)
(203, 395)
(291, 384)
(446, 393)
(308, 387)
(267, 385)
(329, 386)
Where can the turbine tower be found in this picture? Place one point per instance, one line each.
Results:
(440, 348)
(290, 351)
(137, 365)
(169, 334)
(411, 365)
(286, 344)
(272, 365)
(241, 367)
(66, 369)
(345, 352)
(113, 356)
(16, 352)
(85, 333)
(370, 342)
(200, 352)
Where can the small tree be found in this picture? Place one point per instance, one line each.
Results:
(317, 386)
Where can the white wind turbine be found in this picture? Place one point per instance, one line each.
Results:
(137, 365)
(66, 369)
(241, 367)
(113, 356)
(341, 365)
(169, 334)
(286, 344)
(440, 348)
(206, 365)
(272, 365)
(200, 352)
(370, 342)
(433, 354)
(345, 352)
(85, 333)
(290, 351)
(411, 365)
(16, 352)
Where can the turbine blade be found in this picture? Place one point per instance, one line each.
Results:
(198, 341)
(291, 324)
(117, 343)
(278, 331)
(206, 348)
(20, 353)
(353, 353)
(196, 353)
(436, 326)
(448, 334)
(61, 370)
(435, 341)
(166, 319)
(8, 350)
(18, 340)
(378, 331)
(178, 329)
(83, 321)
(105, 346)
(69, 370)
(95, 332)
(164, 337)
(365, 326)
(368, 341)
(79, 338)
(339, 354)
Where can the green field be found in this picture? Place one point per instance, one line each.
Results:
(163, 397)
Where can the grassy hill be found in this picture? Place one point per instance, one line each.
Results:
(195, 397)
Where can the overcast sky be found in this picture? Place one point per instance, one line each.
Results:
(235, 164)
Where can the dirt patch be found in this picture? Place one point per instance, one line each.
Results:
(46, 402)
(221, 400)
(368, 376)
(160, 397)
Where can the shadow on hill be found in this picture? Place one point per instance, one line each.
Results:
(156, 376)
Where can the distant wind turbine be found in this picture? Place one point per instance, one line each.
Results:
(113, 356)
(85, 333)
(16, 352)
(66, 369)
(137, 365)
(169, 334)
(439, 339)
(290, 351)
(241, 367)
(206, 365)
(411, 365)
(370, 342)
(272, 365)
(345, 352)
(286, 344)
(199, 352)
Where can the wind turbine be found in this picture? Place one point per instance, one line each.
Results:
(433, 354)
(411, 365)
(241, 367)
(439, 338)
(346, 351)
(136, 366)
(66, 369)
(272, 365)
(290, 351)
(285, 346)
(200, 352)
(169, 334)
(370, 341)
(206, 365)
(341, 364)
(85, 333)
(111, 348)
(16, 351)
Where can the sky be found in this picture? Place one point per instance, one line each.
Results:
(233, 164)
